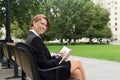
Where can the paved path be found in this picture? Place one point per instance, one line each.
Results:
(95, 69)
(100, 69)
(7, 72)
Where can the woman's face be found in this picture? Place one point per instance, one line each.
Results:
(40, 26)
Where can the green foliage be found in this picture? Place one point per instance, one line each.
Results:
(70, 19)
(67, 15)
(98, 25)
(101, 17)
(106, 33)
(2, 13)
(21, 13)
(18, 32)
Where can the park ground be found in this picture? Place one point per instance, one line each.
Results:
(95, 69)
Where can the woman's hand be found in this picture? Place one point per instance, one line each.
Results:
(62, 54)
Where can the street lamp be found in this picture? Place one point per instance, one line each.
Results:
(7, 27)
(8, 38)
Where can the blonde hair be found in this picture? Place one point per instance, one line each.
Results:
(38, 18)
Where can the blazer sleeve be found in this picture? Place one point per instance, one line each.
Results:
(42, 54)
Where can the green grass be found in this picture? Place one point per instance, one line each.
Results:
(106, 52)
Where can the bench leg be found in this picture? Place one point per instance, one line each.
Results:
(16, 70)
(23, 75)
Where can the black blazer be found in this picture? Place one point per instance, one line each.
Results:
(41, 53)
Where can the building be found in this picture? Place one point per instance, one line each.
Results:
(4, 33)
(113, 7)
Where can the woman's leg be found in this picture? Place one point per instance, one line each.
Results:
(77, 70)
(76, 74)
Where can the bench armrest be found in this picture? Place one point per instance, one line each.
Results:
(61, 72)
(50, 69)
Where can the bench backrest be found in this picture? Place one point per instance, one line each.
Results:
(16, 55)
(28, 63)
(5, 50)
(23, 57)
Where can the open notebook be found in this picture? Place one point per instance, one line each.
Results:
(68, 52)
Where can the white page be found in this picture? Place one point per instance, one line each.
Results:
(68, 52)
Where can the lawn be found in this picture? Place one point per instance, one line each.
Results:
(106, 52)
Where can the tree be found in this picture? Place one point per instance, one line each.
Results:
(2, 13)
(66, 18)
(21, 12)
(70, 19)
(98, 25)
(105, 33)
(75, 19)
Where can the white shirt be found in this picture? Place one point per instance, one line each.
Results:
(35, 33)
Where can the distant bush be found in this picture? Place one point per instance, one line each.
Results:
(74, 43)
(55, 44)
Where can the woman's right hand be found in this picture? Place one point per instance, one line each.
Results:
(62, 54)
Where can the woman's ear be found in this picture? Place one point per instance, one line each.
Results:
(34, 23)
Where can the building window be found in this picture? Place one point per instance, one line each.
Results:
(115, 13)
(115, 18)
(115, 24)
(116, 29)
(101, 4)
(115, 8)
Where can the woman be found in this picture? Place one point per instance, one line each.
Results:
(39, 25)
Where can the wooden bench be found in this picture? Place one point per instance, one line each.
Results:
(6, 54)
(7, 51)
(27, 62)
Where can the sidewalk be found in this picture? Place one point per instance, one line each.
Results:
(100, 69)
(95, 69)
(6, 73)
